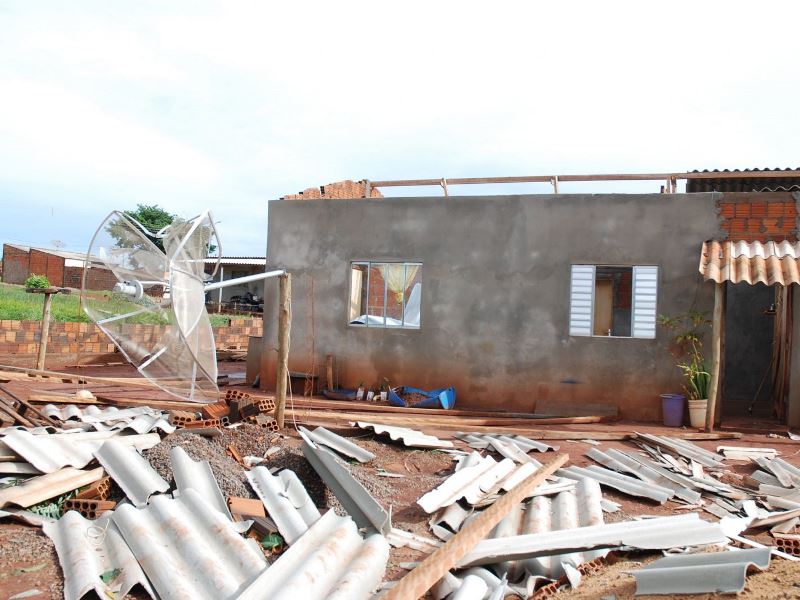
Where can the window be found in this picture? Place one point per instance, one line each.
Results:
(385, 294)
(613, 301)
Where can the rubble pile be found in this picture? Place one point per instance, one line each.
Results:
(140, 499)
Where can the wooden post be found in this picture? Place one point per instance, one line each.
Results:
(284, 328)
(44, 331)
(329, 372)
(717, 325)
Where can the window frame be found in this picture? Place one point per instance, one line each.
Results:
(594, 267)
(369, 265)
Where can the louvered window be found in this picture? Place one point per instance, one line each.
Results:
(613, 301)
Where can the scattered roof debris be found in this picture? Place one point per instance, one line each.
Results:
(311, 511)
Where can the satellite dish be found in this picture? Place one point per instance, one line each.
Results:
(165, 288)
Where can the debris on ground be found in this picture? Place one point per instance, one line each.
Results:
(401, 504)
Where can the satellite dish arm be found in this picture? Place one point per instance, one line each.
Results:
(247, 279)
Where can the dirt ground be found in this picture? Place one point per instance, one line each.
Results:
(28, 560)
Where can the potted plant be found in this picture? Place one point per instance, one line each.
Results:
(687, 330)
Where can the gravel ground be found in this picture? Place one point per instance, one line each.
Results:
(249, 439)
(28, 560)
(228, 473)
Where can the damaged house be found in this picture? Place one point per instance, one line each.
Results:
(545, 303)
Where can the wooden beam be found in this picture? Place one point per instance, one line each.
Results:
(19, 371)
(595, 177)
(284, 331)
(44, 331)
(417, 582)
(717, 324)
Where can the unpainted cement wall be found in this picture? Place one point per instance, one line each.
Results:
(495, 299)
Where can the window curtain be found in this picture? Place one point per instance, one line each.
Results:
(398, 277)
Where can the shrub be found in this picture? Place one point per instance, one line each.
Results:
(38, 282)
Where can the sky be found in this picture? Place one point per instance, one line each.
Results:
(227, 105)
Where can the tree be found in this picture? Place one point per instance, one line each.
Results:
(154, 218)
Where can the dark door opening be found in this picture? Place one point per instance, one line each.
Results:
(749, 337)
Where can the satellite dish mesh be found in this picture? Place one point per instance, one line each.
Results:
(157, 288)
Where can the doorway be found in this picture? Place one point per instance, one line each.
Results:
(747, 378)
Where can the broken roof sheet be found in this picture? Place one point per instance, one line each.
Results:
(646, 534)
(705, 572)
(130, 471)
(479, 441)
(330, 561)
(198, 476)
(352, 495)
(188, 549)
(48, 486)
(409, 437)
(323, 436)
(286, 500)
(476, 480)
(51, 452)
(88, 549)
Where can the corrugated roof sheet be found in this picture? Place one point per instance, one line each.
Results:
(188, 549)
(49, 453)
(410, 437)
(707, 572)
(87, 549)
(732, 180)
(130, 471)
(286, 500)
(198, 476)
(751, 262)
(647, 534)
(330, 561)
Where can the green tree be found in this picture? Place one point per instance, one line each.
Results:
(154, 218)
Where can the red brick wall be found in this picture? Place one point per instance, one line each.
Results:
(15, 265)
(96, 278)
(759, 218)
(341, 189)
(42, 263)
(22, 337)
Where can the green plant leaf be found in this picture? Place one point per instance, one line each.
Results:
(272, 541)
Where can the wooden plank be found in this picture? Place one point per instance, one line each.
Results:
(457, 422)
(18, 373)
(355, 406)
(717, 324)
(417, 582)
(24, 403)
(332, 421)
(329, 372)
(284, 329)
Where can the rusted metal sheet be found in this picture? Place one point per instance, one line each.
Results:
(88, 549)
(188, 549)
(751, 262)
(330, 561)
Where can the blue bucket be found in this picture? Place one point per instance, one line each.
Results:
(672, 406)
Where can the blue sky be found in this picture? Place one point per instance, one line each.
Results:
(226, 105)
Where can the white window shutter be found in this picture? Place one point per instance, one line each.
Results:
(645, 288)
(581, 300)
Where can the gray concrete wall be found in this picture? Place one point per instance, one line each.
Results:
(495, 300)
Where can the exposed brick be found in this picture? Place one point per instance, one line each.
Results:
(742, 210)
(342, 189)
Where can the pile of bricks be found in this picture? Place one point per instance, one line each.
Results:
(347, 189)
(99, 490)
(89, 509)
(235, 407)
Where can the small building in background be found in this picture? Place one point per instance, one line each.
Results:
(244, 297)
(61, 267)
